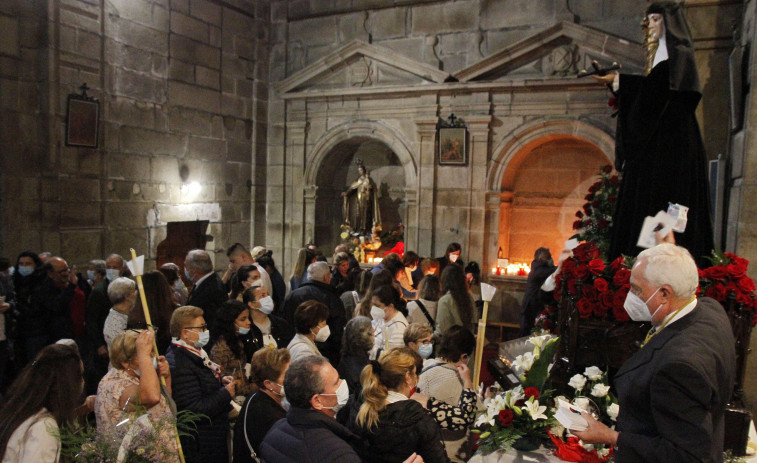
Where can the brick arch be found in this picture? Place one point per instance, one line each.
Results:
(513, 149)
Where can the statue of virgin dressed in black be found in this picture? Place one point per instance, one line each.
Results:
(659, 147)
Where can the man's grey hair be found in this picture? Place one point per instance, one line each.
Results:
(99, 266)
(119, 289)
(118, 256)
(668, 264)
(318, 271)
(199, 260)
(303, 380)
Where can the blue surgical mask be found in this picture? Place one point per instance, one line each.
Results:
(242, 330)
(91, 275)
(425, 350)
(25, 270)
(112, 273)
(186, 274)
(266, 305)
(203, 340)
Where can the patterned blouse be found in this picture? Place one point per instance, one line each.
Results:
(109, 414)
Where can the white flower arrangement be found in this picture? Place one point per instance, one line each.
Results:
(577, 382)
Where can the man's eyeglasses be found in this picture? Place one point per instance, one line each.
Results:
(201, 328)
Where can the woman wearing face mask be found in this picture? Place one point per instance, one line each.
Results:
(31, 319)
(267, 330)
(448, 378)
(310, 325)
(199, 386)
(419, 338)
(264, 408)
(134, 383)
(387, 311)
(393, 426)
(451, 256)
(246, 276)
(232, 322)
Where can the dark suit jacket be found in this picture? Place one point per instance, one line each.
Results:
(98, 307)
(209, 296)
(673, 392)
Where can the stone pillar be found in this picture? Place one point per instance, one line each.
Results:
(425, 188)
(411, 219)
(478, 130)
(491, 232)
(286, 207)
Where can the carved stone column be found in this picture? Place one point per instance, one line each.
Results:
(426, 184)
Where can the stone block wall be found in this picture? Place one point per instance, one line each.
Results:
(181, 83)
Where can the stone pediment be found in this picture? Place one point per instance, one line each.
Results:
(561, 50)
(358, 64)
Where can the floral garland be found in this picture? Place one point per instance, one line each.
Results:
(595, 219)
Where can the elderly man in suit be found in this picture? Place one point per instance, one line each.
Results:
(674, 390)
(207, 292)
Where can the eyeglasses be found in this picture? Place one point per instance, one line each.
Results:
(201, 328)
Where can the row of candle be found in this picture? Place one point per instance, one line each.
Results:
(520, 269)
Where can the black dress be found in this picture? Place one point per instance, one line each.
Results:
(659, 147)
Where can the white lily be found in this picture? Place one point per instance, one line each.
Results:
(535, 410)
(524, 362)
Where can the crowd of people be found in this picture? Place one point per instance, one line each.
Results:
(352, 358)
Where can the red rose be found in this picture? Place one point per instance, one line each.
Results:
(715, 273)
(734, 259)
(595, 204)
(746, 284)
(568, 267)
(589, 197)
(531, 392)
(577, 225)
(607, 169)
(617, 264)
(620, 297)
(621, 277)
(620, 314)
(579, 214)
(592, 252)
(607, 298)
(585, 308)
(602, 223)
(587, 209)
(584, 252)
(614, 179)
(600, 311)
(596, 266)
(571, 286)
(505, 418)
(547, 324)
(735, 270)
(601, 285)
(716, 291)
(582, 272)
(589, 292)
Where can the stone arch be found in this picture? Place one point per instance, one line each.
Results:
(512, 149)
(364, 129)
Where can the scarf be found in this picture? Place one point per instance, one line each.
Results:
(214, 367)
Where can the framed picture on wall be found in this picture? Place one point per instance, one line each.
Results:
(453, 146)
(82, 121)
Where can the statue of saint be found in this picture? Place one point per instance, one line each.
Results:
(360, 208)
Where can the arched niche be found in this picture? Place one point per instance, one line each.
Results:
(338, 170)
(542, 174)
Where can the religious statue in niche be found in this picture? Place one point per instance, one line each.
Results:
(360, 206)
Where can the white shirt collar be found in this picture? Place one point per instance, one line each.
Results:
(675, 316)
(394, 396)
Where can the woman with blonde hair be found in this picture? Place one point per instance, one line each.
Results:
(390, 424)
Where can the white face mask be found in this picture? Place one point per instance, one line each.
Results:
(266, 305)
(637, 308)
(112, 273)
(377, 313)
(425, 350)
(342, 396)
(453, 258)
(242, 330)
(323, 334)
